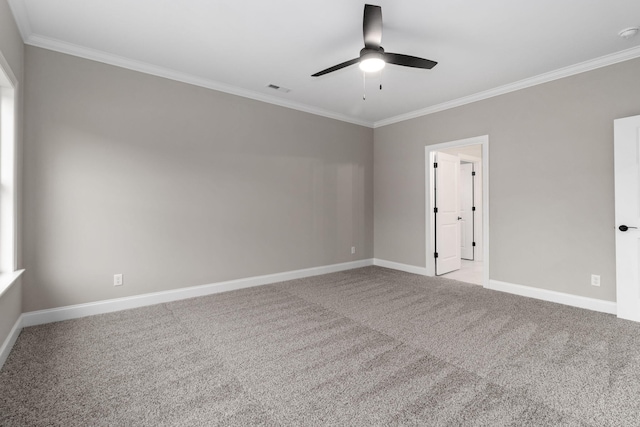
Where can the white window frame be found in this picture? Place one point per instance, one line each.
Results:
(9, 272)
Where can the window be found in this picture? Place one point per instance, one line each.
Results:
(8, 261)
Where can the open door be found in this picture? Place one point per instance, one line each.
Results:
(627, 203)
(447, 213)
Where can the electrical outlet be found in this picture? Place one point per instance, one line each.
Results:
(595, 280)
(353, 250)
(118, 280)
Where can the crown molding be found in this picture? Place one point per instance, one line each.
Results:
(167, 73)
(22, 19)
(560, 73)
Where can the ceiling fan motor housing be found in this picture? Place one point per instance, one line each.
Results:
(369, 53)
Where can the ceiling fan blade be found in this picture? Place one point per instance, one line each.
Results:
(372, 26)
(336, 67)
(408, 60)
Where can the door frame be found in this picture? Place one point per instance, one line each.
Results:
(477, 223)
(477, 217)
(429, 151)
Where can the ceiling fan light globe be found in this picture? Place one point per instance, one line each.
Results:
(371, 65)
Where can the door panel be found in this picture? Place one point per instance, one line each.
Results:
(466, 211)
(447, 200)
(627, 204)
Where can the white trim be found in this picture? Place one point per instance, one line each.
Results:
(22, 20)
(33, 318)
(429, 150)
(8, 343)
(167, 73)
(81, 310)
(8, 177)
(8, 279)
(553, 296)
(402, 267)
(521, 290)
(560, 73)
(477, 164)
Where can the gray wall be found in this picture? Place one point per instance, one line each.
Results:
(13, 50)
(175, 185)
(551, 179)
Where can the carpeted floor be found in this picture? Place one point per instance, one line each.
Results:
(363, 347)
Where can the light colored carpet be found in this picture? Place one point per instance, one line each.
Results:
(363, 347)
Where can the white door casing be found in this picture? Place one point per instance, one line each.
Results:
(482, 201)
(478, 200)
(627, 213)
(466, 211)
(447, 202)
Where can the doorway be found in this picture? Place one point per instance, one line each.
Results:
(457, 210)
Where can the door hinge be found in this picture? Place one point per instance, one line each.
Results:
(473, 243)
(435, 254)
(435, 210)
(435, 165)
(473, 173)
(473, 208)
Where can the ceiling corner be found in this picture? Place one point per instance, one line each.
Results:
(21, 17)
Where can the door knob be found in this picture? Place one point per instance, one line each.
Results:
(625, 228)
(459, 218)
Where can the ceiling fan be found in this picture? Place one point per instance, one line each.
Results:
(373, 57)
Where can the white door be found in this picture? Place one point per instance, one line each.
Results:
(447, 203)
(627, 202)
(466, 211)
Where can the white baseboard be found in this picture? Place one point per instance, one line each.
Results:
(81, 310)
(525, 291)
(40, 317)
(8, 343)
(553, 296)
(402, 267)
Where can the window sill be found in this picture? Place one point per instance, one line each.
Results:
(8, 279)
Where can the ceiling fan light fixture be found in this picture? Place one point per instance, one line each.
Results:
(371, 63)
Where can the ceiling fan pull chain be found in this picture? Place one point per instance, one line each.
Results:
(364, 86)
(381, 78)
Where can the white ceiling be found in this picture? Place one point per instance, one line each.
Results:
(483, 48)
